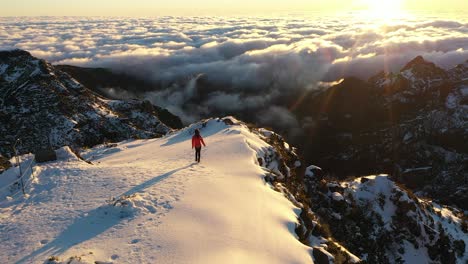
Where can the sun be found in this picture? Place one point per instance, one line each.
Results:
(383, 9)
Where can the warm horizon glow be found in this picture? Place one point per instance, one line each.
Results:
(383, 9)
(222, 7)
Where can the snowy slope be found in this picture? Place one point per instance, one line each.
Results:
(168, 209)
(381, 222)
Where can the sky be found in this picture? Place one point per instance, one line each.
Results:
(211, 7)
(255, 63)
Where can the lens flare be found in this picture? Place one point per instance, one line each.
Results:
(383, 9)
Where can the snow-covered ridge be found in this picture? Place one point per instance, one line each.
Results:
(146, 201)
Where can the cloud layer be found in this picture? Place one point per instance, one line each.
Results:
(214, 65)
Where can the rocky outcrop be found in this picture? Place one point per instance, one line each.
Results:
(321, 257)
(4, 164)
(380, 221)
(45, 155)
(395, 123)
(370, 219)
(460, 72)
(45, 107)
(286, 173)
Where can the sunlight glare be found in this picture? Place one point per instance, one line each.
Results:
(383, 9)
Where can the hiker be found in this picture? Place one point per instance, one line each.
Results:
(197, 142)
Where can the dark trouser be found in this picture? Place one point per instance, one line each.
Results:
(197, 153)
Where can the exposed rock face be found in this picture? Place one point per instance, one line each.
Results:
(395, 123)
(43, 106)
(371, 219)
(97, 79)
(4, 164)
(383, 223)
(100, 80)
(320, 257)
(286, 174)
(459, 73)
(45, 155)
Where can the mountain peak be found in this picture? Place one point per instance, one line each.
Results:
(419, 60)
(419, 68)
(14, 53)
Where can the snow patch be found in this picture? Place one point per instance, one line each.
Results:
(3, 68)
(336, 196)
(310, 170)
(452, 101)
(266, 133)
(66, 154)
(464, 91)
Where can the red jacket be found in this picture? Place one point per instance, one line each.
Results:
(197, 141)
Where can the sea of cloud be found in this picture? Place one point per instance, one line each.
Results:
(239, 65)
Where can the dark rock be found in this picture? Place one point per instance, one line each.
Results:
(228, 121)
(338, 189)
(97, 78)
(320, 257)
(416, 177)
(322, 186)
(13, 53)
(318, 173)
(4, 164)
(260, 161)
(405, 207)
(45, 155)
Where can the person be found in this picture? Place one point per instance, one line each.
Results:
(197, 142)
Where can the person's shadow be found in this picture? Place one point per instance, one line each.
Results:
(92, 224)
